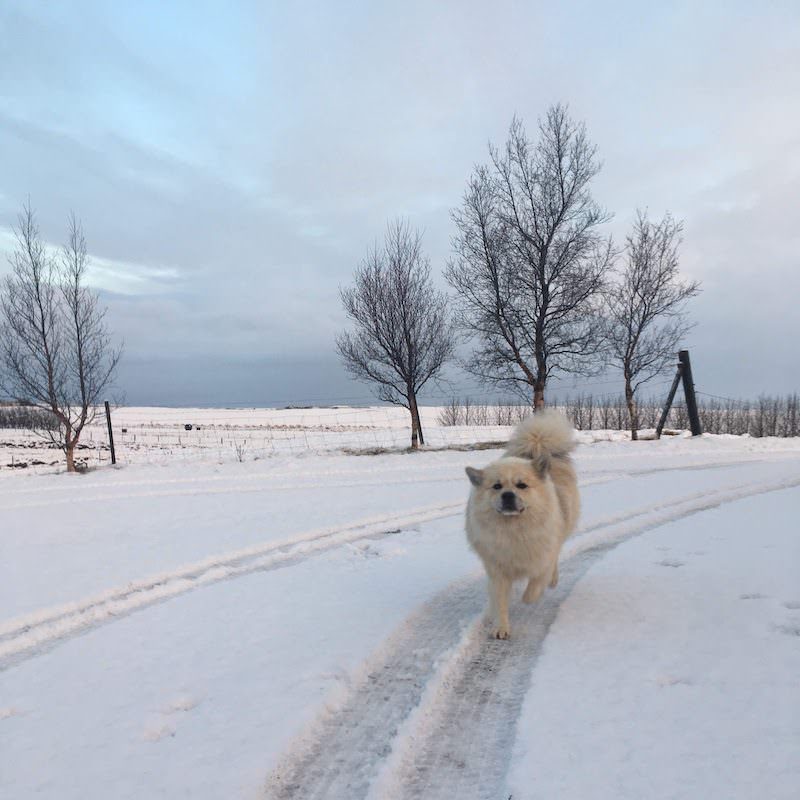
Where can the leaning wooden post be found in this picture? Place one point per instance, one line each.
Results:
(668, 404)
(110, 434)
(688, 392)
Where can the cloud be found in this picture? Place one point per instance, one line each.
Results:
(231, 166)
(103, 273)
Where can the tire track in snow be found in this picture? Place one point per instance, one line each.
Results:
(24, 637)
(299, 485)
(29, 635)
(338, 759)
(433, 713)
(423, 473)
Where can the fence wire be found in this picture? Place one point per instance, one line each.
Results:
(162, 435)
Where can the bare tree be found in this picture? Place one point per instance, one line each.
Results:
(645, 306)
(56, 353)
(402, 337)
(530, 262)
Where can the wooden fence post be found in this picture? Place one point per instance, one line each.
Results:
(110, 434)
(688, 392)
(668, 404)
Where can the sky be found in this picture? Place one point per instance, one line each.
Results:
(231, 164)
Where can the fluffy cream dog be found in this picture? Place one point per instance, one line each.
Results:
(521, 509)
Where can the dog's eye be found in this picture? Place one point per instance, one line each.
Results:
(497, 486)
(522, 485)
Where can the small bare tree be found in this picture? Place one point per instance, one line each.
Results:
(402, 337)
(645, 306)
(530, 262)
(56, 353)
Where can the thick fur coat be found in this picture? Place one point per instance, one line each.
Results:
(521, 509)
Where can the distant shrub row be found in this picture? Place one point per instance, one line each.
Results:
(767, 416)
(26, 417)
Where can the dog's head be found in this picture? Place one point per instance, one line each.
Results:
(509, 486)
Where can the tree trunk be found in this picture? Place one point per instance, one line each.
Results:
(633, 411)
(417, 437)
(538, 395)
(69, 450)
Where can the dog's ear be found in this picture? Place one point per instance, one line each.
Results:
(542, 465)
(475, 476)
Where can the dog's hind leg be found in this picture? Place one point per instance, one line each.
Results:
(499, 589)
(554, 576)
(534, 589)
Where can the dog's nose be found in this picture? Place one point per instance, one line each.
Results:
(508, 498)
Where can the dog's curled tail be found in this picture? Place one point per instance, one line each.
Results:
(545, 435)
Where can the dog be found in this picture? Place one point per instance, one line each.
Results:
(521, 509)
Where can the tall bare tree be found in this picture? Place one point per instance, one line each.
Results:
(646, 306)
(55, 349)
(530, 260)
(402, 337)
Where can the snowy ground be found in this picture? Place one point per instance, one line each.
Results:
(159, 435)
(311, 627)
(681, 649)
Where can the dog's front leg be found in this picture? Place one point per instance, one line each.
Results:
(499, 589)
(554, 574)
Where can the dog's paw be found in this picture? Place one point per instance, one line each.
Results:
(500, 633)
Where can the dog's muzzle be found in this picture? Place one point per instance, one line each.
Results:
(508, 504)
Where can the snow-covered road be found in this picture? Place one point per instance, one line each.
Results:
(677, 657)
(312, 626)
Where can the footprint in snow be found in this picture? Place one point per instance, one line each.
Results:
(163, 725)
(158, 729)
(365, 551)
(673, 680)
(183, 702)
(753, 596)
(792, 629)
(667, 562)
(792, 605)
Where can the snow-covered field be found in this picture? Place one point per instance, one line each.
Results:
(159, 435)
(310, 626)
